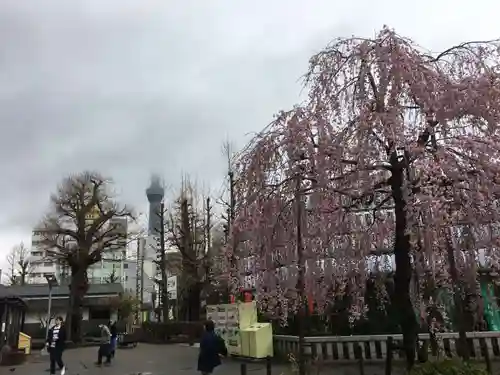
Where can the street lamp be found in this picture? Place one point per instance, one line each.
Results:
(52, 281)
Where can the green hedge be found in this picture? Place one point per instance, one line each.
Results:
(448, 367)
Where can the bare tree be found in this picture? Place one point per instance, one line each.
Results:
(79, 230)
(112, 277)
(229, 202)
(11, 270)
(19, 265)
(44, 320)
(188, 229)
(23, 263)
(216, 288)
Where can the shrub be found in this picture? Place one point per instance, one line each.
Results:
(448, 367)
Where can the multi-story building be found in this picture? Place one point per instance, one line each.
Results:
(137, 275)
(111, 266)
(40, 263)
(109, 269)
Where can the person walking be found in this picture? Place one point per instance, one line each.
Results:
(212, 348)
(55, 346)
(114, 337)
(105, 347)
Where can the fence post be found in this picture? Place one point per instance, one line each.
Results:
(486, 353)
(268, 366)
(243, 369)
(388, 358)
(359, 353)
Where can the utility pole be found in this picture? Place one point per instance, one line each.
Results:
(163, 265)
(232, 201)
(142, 250)
(230, 220)
(138, 283)
(208, 236)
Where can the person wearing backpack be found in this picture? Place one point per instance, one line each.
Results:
(212, 348)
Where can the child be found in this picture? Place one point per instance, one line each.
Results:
(212, 347)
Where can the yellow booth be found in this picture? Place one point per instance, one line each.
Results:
(237, 324)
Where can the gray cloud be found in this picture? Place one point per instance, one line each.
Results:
(131, 87)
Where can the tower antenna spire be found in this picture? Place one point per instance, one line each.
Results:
(155, 193)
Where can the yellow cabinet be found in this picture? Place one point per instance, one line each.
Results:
(24, 342)
(257, 340)
(247, 314)
(230, 319)
(241, 314)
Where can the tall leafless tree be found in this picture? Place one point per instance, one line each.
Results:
(79, 230)
(11, 270)
(188, 230)
(19, 265)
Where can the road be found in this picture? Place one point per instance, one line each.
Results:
(158, 360)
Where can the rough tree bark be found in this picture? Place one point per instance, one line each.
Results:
(402, 276)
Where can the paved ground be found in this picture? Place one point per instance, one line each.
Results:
(159, 360)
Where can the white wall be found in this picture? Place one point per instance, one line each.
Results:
(130, 281)
(32, 317)
(41, 316)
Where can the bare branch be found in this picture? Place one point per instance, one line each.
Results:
(84, 222)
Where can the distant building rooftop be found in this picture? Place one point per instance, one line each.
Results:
(39, 291)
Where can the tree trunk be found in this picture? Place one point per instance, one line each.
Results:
(300, 281)
(68, 322)
(457, 298)
(402, 276)
(79, 287)
(194, 297)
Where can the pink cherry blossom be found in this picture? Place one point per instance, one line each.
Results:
(397, 149)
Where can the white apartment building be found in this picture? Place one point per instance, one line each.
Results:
(110, 268)
(40, 264)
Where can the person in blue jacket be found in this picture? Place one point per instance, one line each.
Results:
(114, 337)
(212, 347)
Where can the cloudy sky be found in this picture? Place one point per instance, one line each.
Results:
(131, 87)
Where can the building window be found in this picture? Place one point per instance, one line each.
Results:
(125, 266)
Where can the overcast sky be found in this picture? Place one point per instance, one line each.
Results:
(134, 87)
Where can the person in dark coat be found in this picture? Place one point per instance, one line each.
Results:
(212, 347)
(55, 345)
